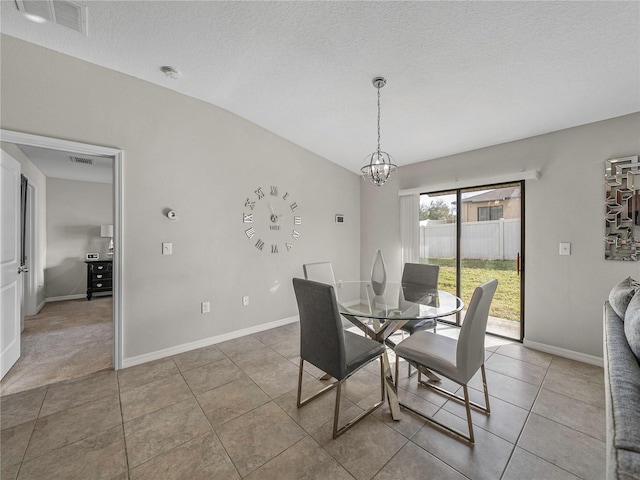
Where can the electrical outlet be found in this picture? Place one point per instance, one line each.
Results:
(565, 248)
(245, 301)
(206, 307)
(167, 248)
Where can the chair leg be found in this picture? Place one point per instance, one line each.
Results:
(469, 438)
(452, 396)
(336, 412)
(382, 379)
(395, 378)
(339, 431)
(486, 390)
(467, 403)
(300, 371)
(301, 403)
(468, 408)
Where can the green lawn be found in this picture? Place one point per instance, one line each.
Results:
(506, 302)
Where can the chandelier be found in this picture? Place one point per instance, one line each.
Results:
(380, 166)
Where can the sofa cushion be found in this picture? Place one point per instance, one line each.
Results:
(628, 464)
(622, 386)
(632, 325)
(621, 295)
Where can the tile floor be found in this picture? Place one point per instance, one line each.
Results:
(228, 412)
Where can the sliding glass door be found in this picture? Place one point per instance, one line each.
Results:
(439, 239)
(476, 234)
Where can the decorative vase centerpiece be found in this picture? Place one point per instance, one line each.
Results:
(378, 274)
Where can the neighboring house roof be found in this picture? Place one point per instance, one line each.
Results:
(493, 195)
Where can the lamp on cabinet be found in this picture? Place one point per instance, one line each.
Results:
(106, 231)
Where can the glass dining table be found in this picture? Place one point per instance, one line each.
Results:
(380, 312)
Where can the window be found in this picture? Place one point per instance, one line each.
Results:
(490, 213)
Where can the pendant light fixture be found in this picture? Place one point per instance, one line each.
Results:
(380, 166)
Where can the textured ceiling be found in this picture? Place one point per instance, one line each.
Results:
(461, 75)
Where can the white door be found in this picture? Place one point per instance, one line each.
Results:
(10, 281)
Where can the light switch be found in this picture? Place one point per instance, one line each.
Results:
(565, 248)
(167, 248)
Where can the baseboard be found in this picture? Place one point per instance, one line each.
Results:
(205, 342)
(65, 297)
(39, 307)
(563, 352)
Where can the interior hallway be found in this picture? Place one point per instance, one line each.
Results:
(65, 340)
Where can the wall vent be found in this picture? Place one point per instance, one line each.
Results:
(67, 14)
(82, 161)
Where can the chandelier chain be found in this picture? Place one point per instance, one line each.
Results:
(378, 119)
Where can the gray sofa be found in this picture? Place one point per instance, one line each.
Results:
(622, 390)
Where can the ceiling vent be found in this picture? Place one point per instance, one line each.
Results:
(63, 13)
(82, 161)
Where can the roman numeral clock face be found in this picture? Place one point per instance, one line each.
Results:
(271, 220)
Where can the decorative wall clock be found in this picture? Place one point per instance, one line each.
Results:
(271, 220)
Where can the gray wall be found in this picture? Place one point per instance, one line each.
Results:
(563, 294)
(39, 181)
(204, 162)
(75, 211)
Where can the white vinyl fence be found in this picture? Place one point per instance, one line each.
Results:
(490, 240)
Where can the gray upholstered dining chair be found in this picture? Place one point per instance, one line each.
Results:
(319, 272)
(424, 276)
(323, 272)
(327, 346)
(458, 360)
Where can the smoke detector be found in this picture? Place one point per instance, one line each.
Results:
(171, 72)
(67, 14)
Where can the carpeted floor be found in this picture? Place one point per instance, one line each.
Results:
(65, 340)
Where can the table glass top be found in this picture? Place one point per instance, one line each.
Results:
(396, 302)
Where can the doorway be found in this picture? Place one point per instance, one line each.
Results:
(29, 140)
(476, 234)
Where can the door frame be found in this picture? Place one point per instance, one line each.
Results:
(30, 291)
(32, 140)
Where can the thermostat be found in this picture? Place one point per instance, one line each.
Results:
(93, 256)
(339, 218)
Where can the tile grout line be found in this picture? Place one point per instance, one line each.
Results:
(447, 433)
(307, 434)
(560, 423)
(31, 434)
(213, 430)
(524, 425)
(155, 411)
(124, 436)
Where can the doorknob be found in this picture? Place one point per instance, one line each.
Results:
(23, 269)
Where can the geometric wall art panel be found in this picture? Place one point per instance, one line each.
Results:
(622, 205)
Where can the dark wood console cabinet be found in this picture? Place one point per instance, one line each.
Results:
(99, 276)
